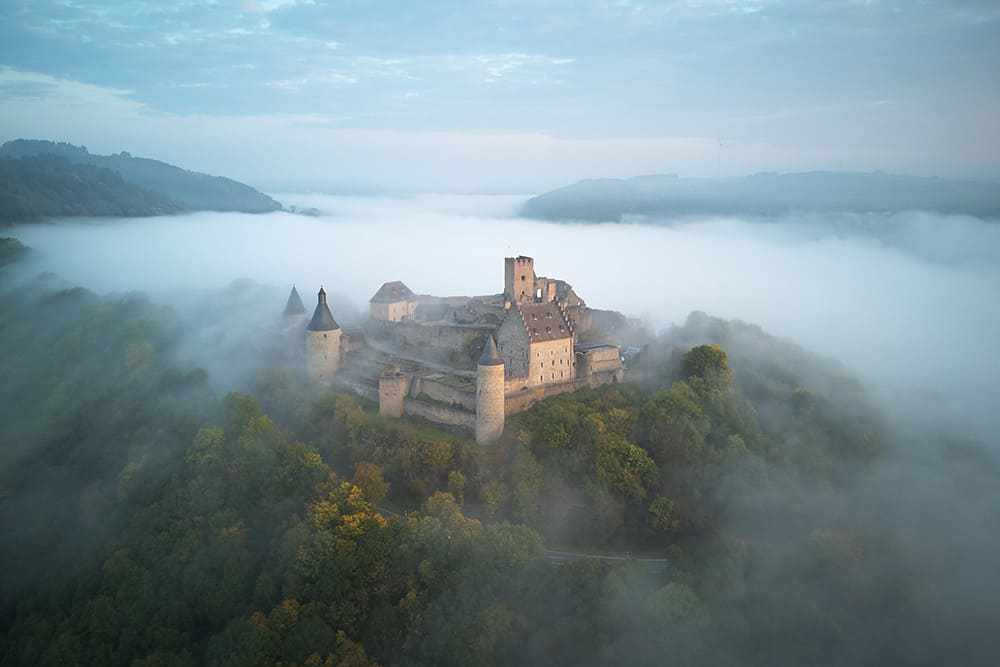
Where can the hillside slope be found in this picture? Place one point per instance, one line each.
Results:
(189, 190)
(767, 194)
(36, 188)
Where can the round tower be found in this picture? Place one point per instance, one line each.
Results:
(322, 343)
(489, 394)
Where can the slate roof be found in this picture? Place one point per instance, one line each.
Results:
(544, 322)
(490, 356)
(322, 319)
(393, 292)
(294, 305)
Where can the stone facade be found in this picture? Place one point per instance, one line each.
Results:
(519, 279)
(323, 355)
(417, 336)
(399, 311)
(392, 389)
(598, 359)
(441, 414)
(393, 302)
(490, 405)
(551, 362)
(520, 399)
(437, 388)
(513, 343)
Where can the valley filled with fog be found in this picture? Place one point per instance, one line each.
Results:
(914, 313)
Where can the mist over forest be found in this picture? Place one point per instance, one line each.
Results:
(604, 332)
(876, 305)
(838, 479)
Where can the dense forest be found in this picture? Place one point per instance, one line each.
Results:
(42, 179)
(38, 188)
(764, 194)
(154, 516)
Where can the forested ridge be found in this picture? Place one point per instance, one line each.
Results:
(768, 194)
(153, 519)
(44, 179)
(38, 188)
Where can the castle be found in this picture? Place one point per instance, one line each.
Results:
(464, 362)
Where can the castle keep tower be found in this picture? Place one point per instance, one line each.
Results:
(519, 279)
(489, 394)
(322, 343)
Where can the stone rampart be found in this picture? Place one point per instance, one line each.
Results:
(442, 392)
(522, 399)
(440, 414)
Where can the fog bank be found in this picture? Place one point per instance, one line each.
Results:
(916, 315)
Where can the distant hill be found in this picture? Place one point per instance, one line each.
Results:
(766, 194)
(184, 190)
(10, 250)
(36, 188)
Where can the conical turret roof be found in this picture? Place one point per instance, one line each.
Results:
(490, 356)
(322, 319)
(294, 305)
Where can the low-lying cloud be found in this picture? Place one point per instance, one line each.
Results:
(913, 310)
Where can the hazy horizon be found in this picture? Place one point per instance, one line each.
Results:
(513, 97)
(874, 304)
(803, 473)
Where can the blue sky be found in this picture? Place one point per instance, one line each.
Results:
(510, 95)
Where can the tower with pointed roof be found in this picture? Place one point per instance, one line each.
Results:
(490, 408)
(322, 343)
(294, 305)
(295, 313)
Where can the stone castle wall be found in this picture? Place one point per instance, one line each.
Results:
(442, 392)
(551, 361)
(522, 399)
(392, 390)
(393, 312)
(359, 387)
(512, 341)
(440, 414)
(598, 360)
(438, 337)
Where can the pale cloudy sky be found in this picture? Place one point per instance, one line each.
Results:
(509, 95)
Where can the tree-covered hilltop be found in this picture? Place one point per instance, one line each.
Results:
(177, 188)
(10, 250)
(37, 188)
(151, 520)
(765, 194)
